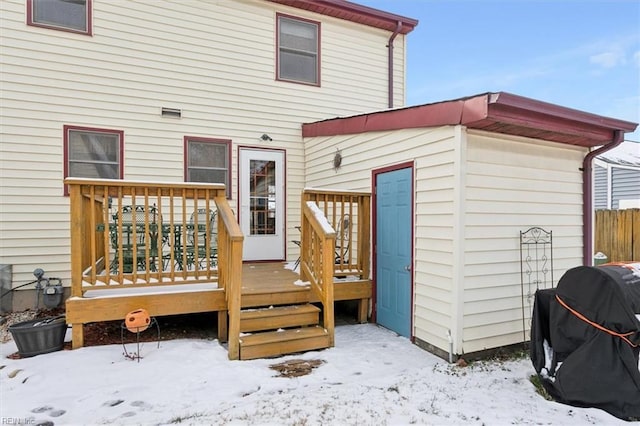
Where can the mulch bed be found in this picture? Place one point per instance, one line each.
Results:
(296, 367)
(191, 326)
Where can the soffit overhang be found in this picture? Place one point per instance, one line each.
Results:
(353, 12)
(498, 112)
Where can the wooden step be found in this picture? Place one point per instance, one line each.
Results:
(289, 295)
(277, 317)
(274, 343)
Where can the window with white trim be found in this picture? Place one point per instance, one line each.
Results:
(208, 160)
(298, 50)
(93, 153)
(66, 15)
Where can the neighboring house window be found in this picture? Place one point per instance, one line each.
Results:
(298, 56)
(66, 15)
(208, 160)
(93, 153)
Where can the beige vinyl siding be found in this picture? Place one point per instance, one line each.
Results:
(474, 193)
(213, 60)
(434, 156)
(512, 185)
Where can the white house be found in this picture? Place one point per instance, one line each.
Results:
(176, 91)
(219, 91)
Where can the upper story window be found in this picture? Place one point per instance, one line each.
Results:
(65, 15)
(93, 153)
(298, 55)
(208, 160)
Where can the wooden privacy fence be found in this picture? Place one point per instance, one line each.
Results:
(617, 234)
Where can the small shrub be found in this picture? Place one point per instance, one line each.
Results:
(537, 383)
(180, 419)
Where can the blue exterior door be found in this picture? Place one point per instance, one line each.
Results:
(393, 250)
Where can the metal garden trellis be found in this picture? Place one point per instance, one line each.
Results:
(536, 266)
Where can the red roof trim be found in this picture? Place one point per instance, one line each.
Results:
(353, 12)
(494, 112)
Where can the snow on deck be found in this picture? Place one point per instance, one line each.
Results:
(319, 215)
(151, 289)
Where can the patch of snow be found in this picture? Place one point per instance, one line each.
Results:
(348, 277)
(348, 191)
(371, 377)
(292, 267)
(158, 289)
(548, 354)
(319, 215)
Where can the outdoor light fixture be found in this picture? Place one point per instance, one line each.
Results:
(265, 138)
(171, 112)
(337, 159)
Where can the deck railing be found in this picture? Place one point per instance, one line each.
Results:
(335, 244)
(317, 257)
(128, 234)
(348, 212)
(230, 240)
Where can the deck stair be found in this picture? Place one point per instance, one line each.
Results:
(281, 330)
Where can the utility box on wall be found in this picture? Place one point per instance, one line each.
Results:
(6, 299)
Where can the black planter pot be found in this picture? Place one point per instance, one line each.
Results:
(39, 336)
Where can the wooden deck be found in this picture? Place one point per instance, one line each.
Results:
(127, 253)
(270, 283)
(263, 284)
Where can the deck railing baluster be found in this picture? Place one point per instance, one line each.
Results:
(335, 205)
(147, 245)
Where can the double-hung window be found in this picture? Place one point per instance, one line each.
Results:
(65, 15)
(208, 160)
(298, 55)
(93, 153)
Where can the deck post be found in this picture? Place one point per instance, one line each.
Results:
(364, 237)
(364, 250)
(234, 289)
(77, 239)
(304, 243)
(363, 310)
(230, 263)
(223, 326)
(77, 335)
(77, 242)
(328, 250)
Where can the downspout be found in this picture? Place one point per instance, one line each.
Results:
(390, 67)
(587, 196)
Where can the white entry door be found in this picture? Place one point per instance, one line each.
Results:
(262, 203)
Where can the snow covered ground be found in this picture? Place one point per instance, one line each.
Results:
(371, 377)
